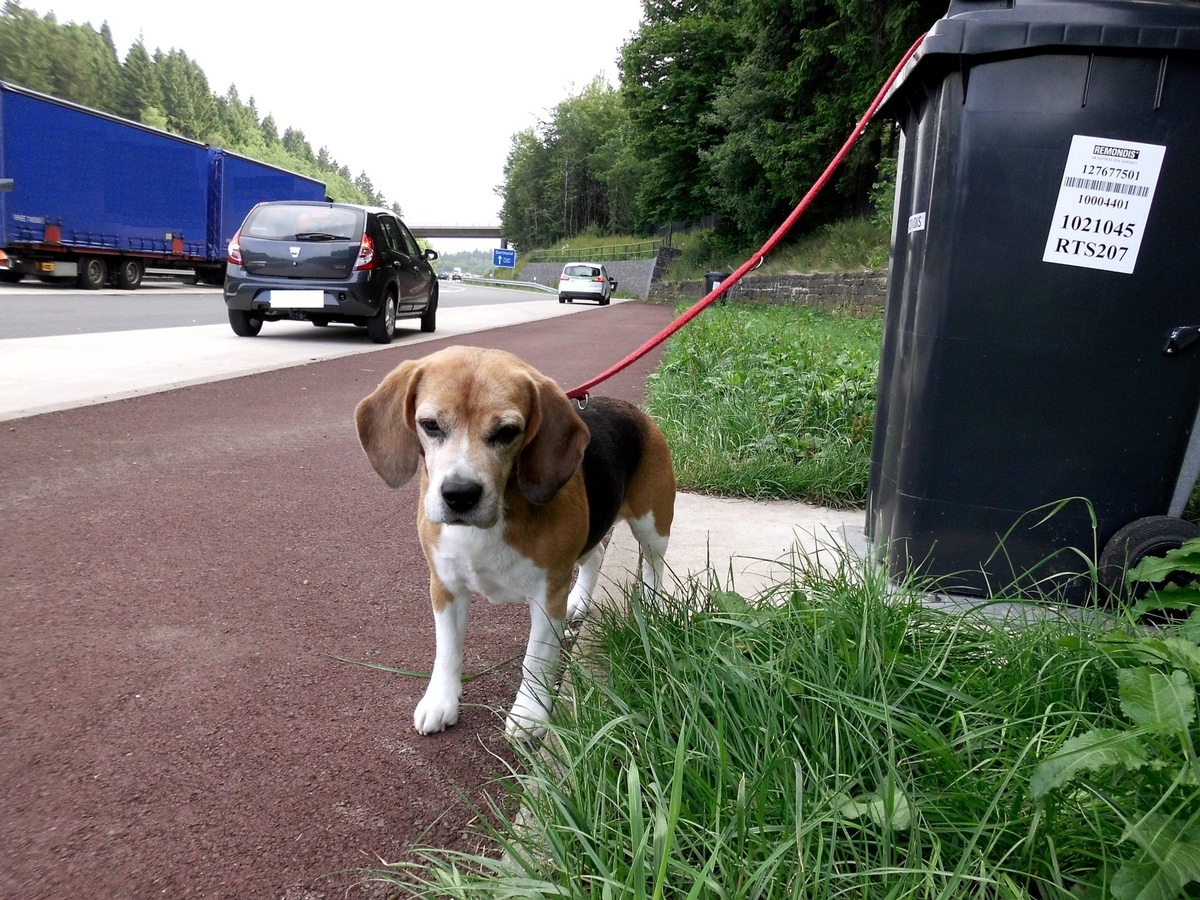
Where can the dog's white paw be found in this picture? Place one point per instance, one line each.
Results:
(436, 712)
(577, 609)
(526, 721)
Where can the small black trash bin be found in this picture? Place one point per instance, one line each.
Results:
(712, 280)
(1047, 210)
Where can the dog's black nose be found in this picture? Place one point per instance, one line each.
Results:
(461, 496)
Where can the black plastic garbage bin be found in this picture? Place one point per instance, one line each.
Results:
(1038, 383)
(712, 280)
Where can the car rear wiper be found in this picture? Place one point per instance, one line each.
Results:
(319, 236)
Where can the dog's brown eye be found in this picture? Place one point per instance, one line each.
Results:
(505, 434)
(431, 427)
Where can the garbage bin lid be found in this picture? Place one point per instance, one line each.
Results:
(984, 27)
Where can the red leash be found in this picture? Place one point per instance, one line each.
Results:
(754, 260)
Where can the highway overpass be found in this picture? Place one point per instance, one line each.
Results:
(457, 231)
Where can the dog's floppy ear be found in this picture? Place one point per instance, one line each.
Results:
(386, 421)
(555, 438)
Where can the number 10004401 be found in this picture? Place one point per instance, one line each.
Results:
(1098, 200)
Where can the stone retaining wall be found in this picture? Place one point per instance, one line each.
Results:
(862, 291)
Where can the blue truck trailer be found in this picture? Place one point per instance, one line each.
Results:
(95, 198)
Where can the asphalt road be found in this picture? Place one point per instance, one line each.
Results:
(184, 575)
(32, 309)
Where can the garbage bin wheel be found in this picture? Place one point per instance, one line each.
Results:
(1142, 538)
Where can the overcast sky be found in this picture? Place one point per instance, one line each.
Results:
(424, 97)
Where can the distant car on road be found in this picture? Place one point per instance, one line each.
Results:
(585, 281)
(328, 262)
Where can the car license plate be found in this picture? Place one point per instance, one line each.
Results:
(297, 299)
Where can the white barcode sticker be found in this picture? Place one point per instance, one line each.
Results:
(1103, 203)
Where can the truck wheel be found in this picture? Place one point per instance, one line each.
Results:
(381, 327)
(93, 273)
(245, 324)
(429, 317)
(1142, 538)
(129, 274)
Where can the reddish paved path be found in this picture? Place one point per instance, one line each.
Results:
(177, 574)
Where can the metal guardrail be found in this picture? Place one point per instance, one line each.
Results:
(610, 253)
(505, 283)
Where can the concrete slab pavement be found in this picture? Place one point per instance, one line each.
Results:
(44, 374)
(749, 546)
(742, 545)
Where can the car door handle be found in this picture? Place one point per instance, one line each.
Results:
(1181, 338)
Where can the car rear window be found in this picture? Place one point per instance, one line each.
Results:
(581, 271)
(303, 223)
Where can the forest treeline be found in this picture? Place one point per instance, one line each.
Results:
(163, 89)
(727, 111)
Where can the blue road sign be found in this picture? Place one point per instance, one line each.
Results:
(504, 259)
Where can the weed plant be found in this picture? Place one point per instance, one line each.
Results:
(770, 402)
(838, 739)
(843, 246)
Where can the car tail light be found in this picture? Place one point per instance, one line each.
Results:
(366, 255)
(564, 278)
(234, 253)
(599, 278)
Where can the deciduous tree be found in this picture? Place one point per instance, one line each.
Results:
(670, 72)
(810, 69)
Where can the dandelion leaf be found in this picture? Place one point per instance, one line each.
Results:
(1158, 568)
(894, 812)
(1171, 596)
(1189, 629)
(1169, 860)
(1157, 701)
(1181, 653)
(731, 602)
(1097, 749)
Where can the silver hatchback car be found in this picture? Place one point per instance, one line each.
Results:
(585, 281)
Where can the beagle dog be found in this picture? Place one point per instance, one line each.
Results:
(518, 486)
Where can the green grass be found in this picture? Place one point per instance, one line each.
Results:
(845, 246)
(770, 402)
(848, 245)
(833, 740)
